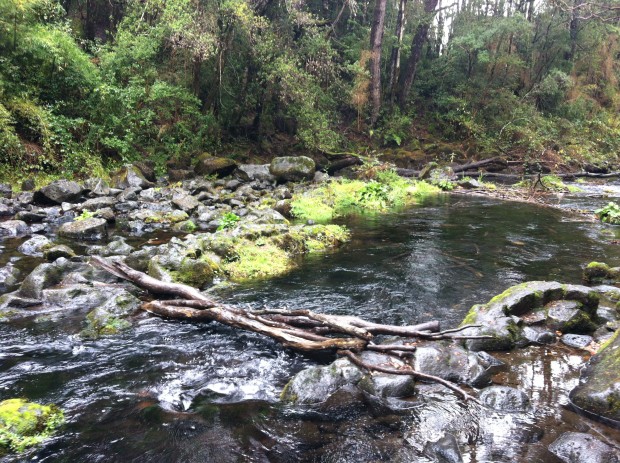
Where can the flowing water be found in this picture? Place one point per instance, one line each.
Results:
(166, 391)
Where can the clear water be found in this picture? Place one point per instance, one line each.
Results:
(167, 391)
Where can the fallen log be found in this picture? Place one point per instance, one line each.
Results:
(303, 330)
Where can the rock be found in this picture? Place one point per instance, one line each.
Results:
(34, 216)
(129, 194)
(97, 187)
(538, 335)
(599, 272)
(117, 247)
(320, 177)
(111, 317)
(147, 168)
(211, 165)
(578, 341)
(382, 384)
(91, 229)
(25, 198)
(98, 203)
(284, 207)
(13, 228)
(567, 317)
(598, 392)
(34, 246)
(577, 447)
(453, 363)
(9, 276)
(58, 251)
(445, 450)
(151, 195)
(469, 184)
(24, 424)
(28, 185)
(6, 191)
(252, 172)
(292, 168)
(107, 214)
(186, 203)
(129, 176)
(178, 175)
(59, 192)
(505, 399)
(316, 384)
(6, 210)
(43, 276)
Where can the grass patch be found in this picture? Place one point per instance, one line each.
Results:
(343, 197)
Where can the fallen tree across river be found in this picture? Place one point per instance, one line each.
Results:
(302, 330)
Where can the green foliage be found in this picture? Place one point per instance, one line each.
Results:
(609, 214)
(25, 424)
(86, 214)
(229, 221)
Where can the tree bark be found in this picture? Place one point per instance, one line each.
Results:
(395, 56)
(376, 42)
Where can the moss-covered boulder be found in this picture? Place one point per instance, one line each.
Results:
(292, 168)
(504, 317)
(112, 316)
(129, 176)
(599, 390)
(24, 424)
(599, 272)
(211, 165)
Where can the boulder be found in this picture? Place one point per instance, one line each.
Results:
(12, 228)
(178, 175)
(98, 203)
(33, 216)
(9, 276)
(292, 168)
(28, 185)
(58, 192)
(444, 450)
(58, 251)
(252, 172)
(568, 316)
(505, 399)
(599, 272)
(6, 191)
(577, 447)
(578, 341)
(97, 187)
(129, 176)
(116, 247)
(211, 165)
(91, 229)
(186, 202)
(34, 246)
(147, 168)
(598, 392)
(111, 317)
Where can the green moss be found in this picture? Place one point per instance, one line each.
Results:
(253, 261)
(194, 272)
(607, 343)
(471, 316)
(24, 424)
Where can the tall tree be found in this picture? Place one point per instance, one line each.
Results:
(376, 42)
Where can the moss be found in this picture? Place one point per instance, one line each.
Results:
(472, 315)
(253, 261)
(187, 226)
(194, 272)
(24, 424)
(102, 323)
(607, 343)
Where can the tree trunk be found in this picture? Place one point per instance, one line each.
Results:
(376, 41)
(419, 38)
(395, 56)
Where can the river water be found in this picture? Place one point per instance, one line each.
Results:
(166, 391)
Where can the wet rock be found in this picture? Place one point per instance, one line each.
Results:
(129, 194)
(129, 176)
(90, 229)
(140, 259)
(578, 341)
(98, 203)
(567, 316)
(383, 384)
(58, 192)
(6, 191)
(147, 168)
(607, 314)
(111, 317)
(6, 210)
(576, 447)
(453, 363)
(469, 184)
(13, 228)
(97, 187)
(292, 168)
(211, 165)
(598, 392)
(58, 251)
(599, 272)
(538, 335)
(34, 216)
(444, 450)
(505, 399)
(252, 172)
(186, 203)
(34, 246)
(9, 276)
(43, 276)
(315, 384)
(117, 247)
(611, 293)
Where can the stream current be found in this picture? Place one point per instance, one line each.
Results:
(166, 391)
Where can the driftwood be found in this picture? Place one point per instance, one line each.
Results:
(569, 176)
(458, 168)
(303, 330)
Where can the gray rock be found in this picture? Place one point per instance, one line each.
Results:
(252, 172)
(211, 165)
(150, 194)
(292, 168)
(147, 168)
(34, 216)
(444, 450)
(28, 185)
(117, 247)
(320, 177)
(6, 210)
(43, 276)
(13, 228)
(538, 335)
(58, 251)
(25, 198)
(598, 392)
(567, 316)
(383, 384)
(129, 194)
(186, 203)
(504, 398)
(112, 316)
(178, 175)
(58, 192)
(470, 184)
(9, 276)
(97, 187)
(6, 191)
(91, 229)
(577, 447)
(34, 246)
(578, 341)
(98, 203)
(129, 176)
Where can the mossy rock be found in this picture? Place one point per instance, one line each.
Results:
(600, 272)
(211, 165)
(24, 424)
(111, 317)
(599, 390)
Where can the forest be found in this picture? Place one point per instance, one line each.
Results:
(87, 85)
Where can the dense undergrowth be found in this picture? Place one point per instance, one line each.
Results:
(82, 91)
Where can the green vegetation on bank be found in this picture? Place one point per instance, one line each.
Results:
(343, 197)
(609, 214)
(84, 89)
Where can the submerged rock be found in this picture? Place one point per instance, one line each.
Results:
(599, 390)
(444, 450)
(599, 272)
(505, 399)
(35, 246)
(577, 447)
